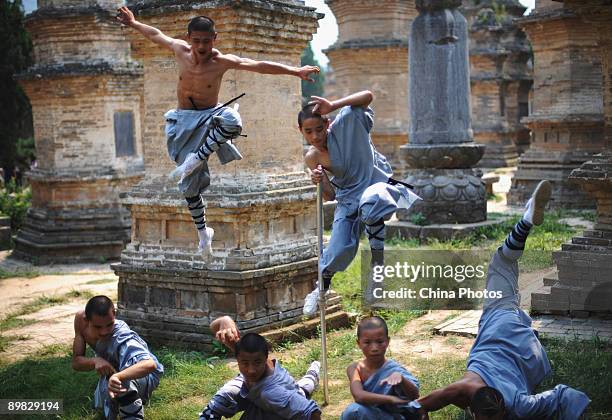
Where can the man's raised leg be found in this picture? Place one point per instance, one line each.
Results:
(503, 268)
(205, 234)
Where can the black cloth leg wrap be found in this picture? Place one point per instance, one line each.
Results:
(327, 278)
(378, 257)
(374, 230)
(196, 208)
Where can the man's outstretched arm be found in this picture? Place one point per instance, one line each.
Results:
(456, 393)
(126, 17)
(324, 106)
(271, 67)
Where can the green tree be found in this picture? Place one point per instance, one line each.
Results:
(309, 88)
(16, 115)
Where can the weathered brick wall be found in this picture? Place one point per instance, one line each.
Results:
(73, 121)
(368, 19)
(79, 4)
(80, 37)
(383, 70)
(499, 54)
(567, 108)
(568, 77)
(82, 76)
(543, 5)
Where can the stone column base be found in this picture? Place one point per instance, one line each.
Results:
(449, 196)
(62, 236)
(583, 285)
(75, 218)
(565, 195)
(499, 156)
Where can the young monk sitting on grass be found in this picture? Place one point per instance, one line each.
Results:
(264, 390)
(381, 387)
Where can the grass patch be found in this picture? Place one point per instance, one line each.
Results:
(495, 197)
(85, 294)
(542, 241)
(584, 365)
(6, 340)
(192, 377)
(12, 321)
(101, 281)
(4, 274)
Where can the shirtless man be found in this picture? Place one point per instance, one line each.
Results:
(128, 371)
(201, 69)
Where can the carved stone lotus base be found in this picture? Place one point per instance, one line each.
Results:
(449, 196)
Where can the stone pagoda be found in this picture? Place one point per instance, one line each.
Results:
(262, 207)
(86, 97)
(501, 79)
(372, 53)
(584, 282)
(566, 119)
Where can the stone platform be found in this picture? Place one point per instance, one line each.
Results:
(562, 327)
(169, 305)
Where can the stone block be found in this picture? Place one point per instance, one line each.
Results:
(162, 297)
(133, 295)
(194, 300)
(5, 233)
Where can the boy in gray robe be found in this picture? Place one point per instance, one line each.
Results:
(264, 390)
(361, 181)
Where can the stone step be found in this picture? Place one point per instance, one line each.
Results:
(585, 240)
(550, 281)
(540, 300)
(583, 247)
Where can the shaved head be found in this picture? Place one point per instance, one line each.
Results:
(488, 402)
(372, 323)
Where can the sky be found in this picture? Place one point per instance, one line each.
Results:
(328, 29)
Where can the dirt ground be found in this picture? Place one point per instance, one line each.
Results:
(48, 325)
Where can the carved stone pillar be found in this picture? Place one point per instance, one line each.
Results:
(442, 151)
